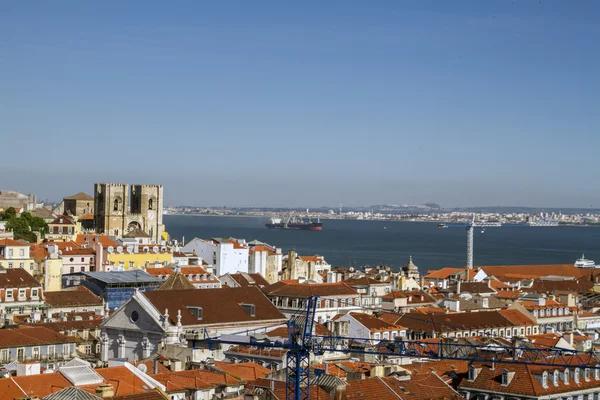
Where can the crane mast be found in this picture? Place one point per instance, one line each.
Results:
(301, 343)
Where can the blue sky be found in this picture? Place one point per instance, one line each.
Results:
(305, 103)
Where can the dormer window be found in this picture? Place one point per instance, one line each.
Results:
(576, 375)
(597, 372)
(196, 312)
(566, 376)
(555, 377)
(545, 379)
(505, 377)
(250, 309)
(586, 374)
(472, 373)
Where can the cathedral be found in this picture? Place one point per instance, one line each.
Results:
(121, 208)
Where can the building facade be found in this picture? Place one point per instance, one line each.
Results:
(79, 204)
(228, 255)
(120, 208)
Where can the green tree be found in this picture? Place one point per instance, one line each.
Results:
(8, 214)
(20, 228)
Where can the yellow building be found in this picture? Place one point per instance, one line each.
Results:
(136, 256)
(15, 254)
(48, 266)
(63, 229)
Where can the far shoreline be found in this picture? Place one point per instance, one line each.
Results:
(363, 220)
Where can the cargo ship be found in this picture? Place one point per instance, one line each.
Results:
(293, 223)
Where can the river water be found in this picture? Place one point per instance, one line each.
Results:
(355, 243)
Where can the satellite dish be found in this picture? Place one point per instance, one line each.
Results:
(143, 368)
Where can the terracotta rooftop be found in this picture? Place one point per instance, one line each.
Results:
(80, 196)
(195, 379)
(89, 240)
(418, 387)
(35, 385)
(17, 278)
(63, 220)
(176, 281)
(374, 324)
(246, 280)
(10, 242)
(526, 380)
(31, 336)
(218, 305)
(248, 371)
(364, 281)
(295, 289)
(136, 233)
(453, 322)
(75, 297)
(534, 271)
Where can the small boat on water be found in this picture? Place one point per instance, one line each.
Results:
(442, 226)
(585, 263)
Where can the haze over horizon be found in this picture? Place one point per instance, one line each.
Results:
(462, 103)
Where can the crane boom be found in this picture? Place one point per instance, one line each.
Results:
(301, 343)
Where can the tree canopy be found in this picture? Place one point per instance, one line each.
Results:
(24, 226)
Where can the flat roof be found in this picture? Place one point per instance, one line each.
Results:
(135, 276)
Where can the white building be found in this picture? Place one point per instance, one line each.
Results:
(227, 255)
(366, 326)
(150, 320)
(265, 260)
(334, 298)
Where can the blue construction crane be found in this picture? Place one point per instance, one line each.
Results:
(301, 343)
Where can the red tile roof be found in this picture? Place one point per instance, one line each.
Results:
(80, 196)
(219, 305)
(76, 297)
(38, 385)
(11, 242)
(419, 387)
(246, 280)
(375, 324)
(248, 371)
(534, 271)
(89, 239)
(525, 381)
(31, 336)
(17, 278)
(365, 280)
(295, 289)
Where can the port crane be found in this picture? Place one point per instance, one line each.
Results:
(469, 226)
(301, 343)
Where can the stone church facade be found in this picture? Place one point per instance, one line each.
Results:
(120, 208)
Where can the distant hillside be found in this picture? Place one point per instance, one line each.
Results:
(529, 210)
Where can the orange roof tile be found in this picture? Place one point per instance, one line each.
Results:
(248, 371)
(11, 242)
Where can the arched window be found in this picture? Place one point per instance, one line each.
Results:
(116, 206)
(150, 204)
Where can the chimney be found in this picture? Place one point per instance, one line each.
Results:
(340, 392)
(458, 287)
(422, 281)
(568, 336)
(452, 304)
(28, 369)
(326, 368)
(105, 391)
(155, 366)
(541, 301)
